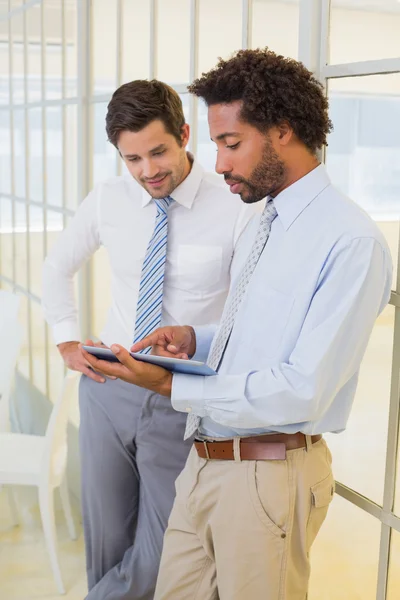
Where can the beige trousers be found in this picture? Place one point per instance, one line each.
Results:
(243, 530)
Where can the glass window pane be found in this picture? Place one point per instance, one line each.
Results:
(54, 224)
(206, 152)
(345, 555)
(36, 155)
(34, 40)
(19, 153)
(54, 158)
(71, 149)
(173, 41)
(17, 29)
(53, 49)
(38, 333)
(6, 238)
(393, 592)
(220, 31)
(136, 39)
(364, 30)
(36, 249)
(270, 18)
(20, 241)
(5, 152)
(71, 42)
(4, 63)
(104, 51)
(363, 154)
(101, 290)
(23, 357)
(104, 153)
(366, 471)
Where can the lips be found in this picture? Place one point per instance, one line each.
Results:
(233, 185)
(156, 181)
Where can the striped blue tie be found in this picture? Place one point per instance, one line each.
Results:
(149, 306)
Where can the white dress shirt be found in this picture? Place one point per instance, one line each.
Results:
(205, 222)
(292, 361)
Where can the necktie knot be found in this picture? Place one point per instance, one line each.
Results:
(269, 213)
(163, 204)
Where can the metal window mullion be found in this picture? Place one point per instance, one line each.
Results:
(391, 454)
(153, 39)
(119, 63)
(12, 144)
(84, 164)
(247, 6)
(382, 66)
(193, 72)
(27, 190)
(358, 500)
(67, 211)
(41, 104)
(324, 44)
(19, 9)
(64, 108)
(20, 289)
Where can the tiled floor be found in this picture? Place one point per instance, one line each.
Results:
(25, 572)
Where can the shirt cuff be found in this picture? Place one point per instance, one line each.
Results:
(66, 331)
(187, 394)
(204, 337)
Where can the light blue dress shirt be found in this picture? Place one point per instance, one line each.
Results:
(293, 358)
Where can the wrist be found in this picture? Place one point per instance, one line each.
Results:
(192, 348)
(165, 388)
(66, 345)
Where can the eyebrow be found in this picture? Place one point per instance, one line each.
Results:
(156, 149)
(222, 136)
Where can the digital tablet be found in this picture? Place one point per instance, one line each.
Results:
(176, 365)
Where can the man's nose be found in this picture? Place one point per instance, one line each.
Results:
(150, 169)
(222, 165)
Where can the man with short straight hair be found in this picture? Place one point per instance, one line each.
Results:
(170, 231)
(308, 282)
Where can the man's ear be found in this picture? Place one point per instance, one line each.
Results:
(185, 135)
(285, 133)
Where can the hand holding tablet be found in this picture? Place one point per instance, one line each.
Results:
(175, 365)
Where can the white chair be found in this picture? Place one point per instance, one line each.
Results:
(10, 340)
(41, 461)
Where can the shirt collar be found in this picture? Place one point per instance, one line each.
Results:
(186, 191)
(295, 198)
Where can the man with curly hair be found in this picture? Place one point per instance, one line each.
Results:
(309, 280)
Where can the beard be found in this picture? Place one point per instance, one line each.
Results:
(267, 176)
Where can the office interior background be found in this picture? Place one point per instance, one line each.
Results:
(60, 61)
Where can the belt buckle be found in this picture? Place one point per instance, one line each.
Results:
(206, 449)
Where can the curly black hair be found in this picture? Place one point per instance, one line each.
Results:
(273, 89)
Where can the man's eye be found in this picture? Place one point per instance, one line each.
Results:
(234, 146)
(159, 153)
(133, 159)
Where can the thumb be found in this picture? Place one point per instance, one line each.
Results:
(123, 355)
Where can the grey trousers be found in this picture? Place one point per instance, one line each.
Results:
(132, 450)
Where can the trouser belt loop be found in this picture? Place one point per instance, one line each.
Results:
(206, 450)
(236, 449)
(308, 443)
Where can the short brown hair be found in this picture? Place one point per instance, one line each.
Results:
(272, 89)
(136, 104)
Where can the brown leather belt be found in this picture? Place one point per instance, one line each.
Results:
(260, 447)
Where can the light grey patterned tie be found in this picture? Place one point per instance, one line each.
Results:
(234, 301)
